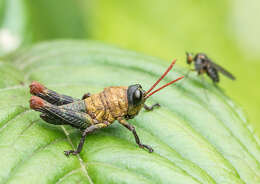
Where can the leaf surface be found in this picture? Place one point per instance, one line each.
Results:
(199, 135)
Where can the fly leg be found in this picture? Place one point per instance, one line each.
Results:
(150, 108)
(82, 140)
(132, 129)
(50, 96)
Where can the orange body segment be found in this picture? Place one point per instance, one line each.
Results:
(108, 105)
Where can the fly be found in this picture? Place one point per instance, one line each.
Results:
(203, 64)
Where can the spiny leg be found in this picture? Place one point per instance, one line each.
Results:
(132, 129)
(82, 140)
(150, 108)
(50, 96)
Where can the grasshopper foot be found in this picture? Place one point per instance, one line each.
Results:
(67, 153)
(149, 148)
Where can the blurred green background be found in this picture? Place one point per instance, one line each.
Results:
(227, 30)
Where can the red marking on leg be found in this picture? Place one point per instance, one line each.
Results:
(36, 102)
(36, 88)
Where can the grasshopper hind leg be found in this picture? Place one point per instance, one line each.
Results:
(57, 121)
(52, 120)
(67, 115)
(50, 96)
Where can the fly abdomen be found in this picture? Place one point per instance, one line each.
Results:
(213, 74)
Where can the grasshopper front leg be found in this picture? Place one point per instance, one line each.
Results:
(150, 108)
(132, 129)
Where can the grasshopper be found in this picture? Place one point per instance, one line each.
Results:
(95, 111)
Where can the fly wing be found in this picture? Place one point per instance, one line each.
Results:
(222, 70)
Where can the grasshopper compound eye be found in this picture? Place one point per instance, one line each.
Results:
(148, 94)
(137, 97)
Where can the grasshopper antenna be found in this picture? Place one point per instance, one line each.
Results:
(165, 73)
(164, 86)
(156, 83)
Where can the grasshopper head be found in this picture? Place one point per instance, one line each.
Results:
(136, 99)
(136, 96)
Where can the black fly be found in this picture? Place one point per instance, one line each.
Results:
(205, 65)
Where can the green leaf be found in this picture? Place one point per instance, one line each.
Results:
(13, 23)
(23, 22)
(199, 135)
(50, 19)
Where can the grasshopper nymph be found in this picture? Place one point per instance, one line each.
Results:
(94, 111)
